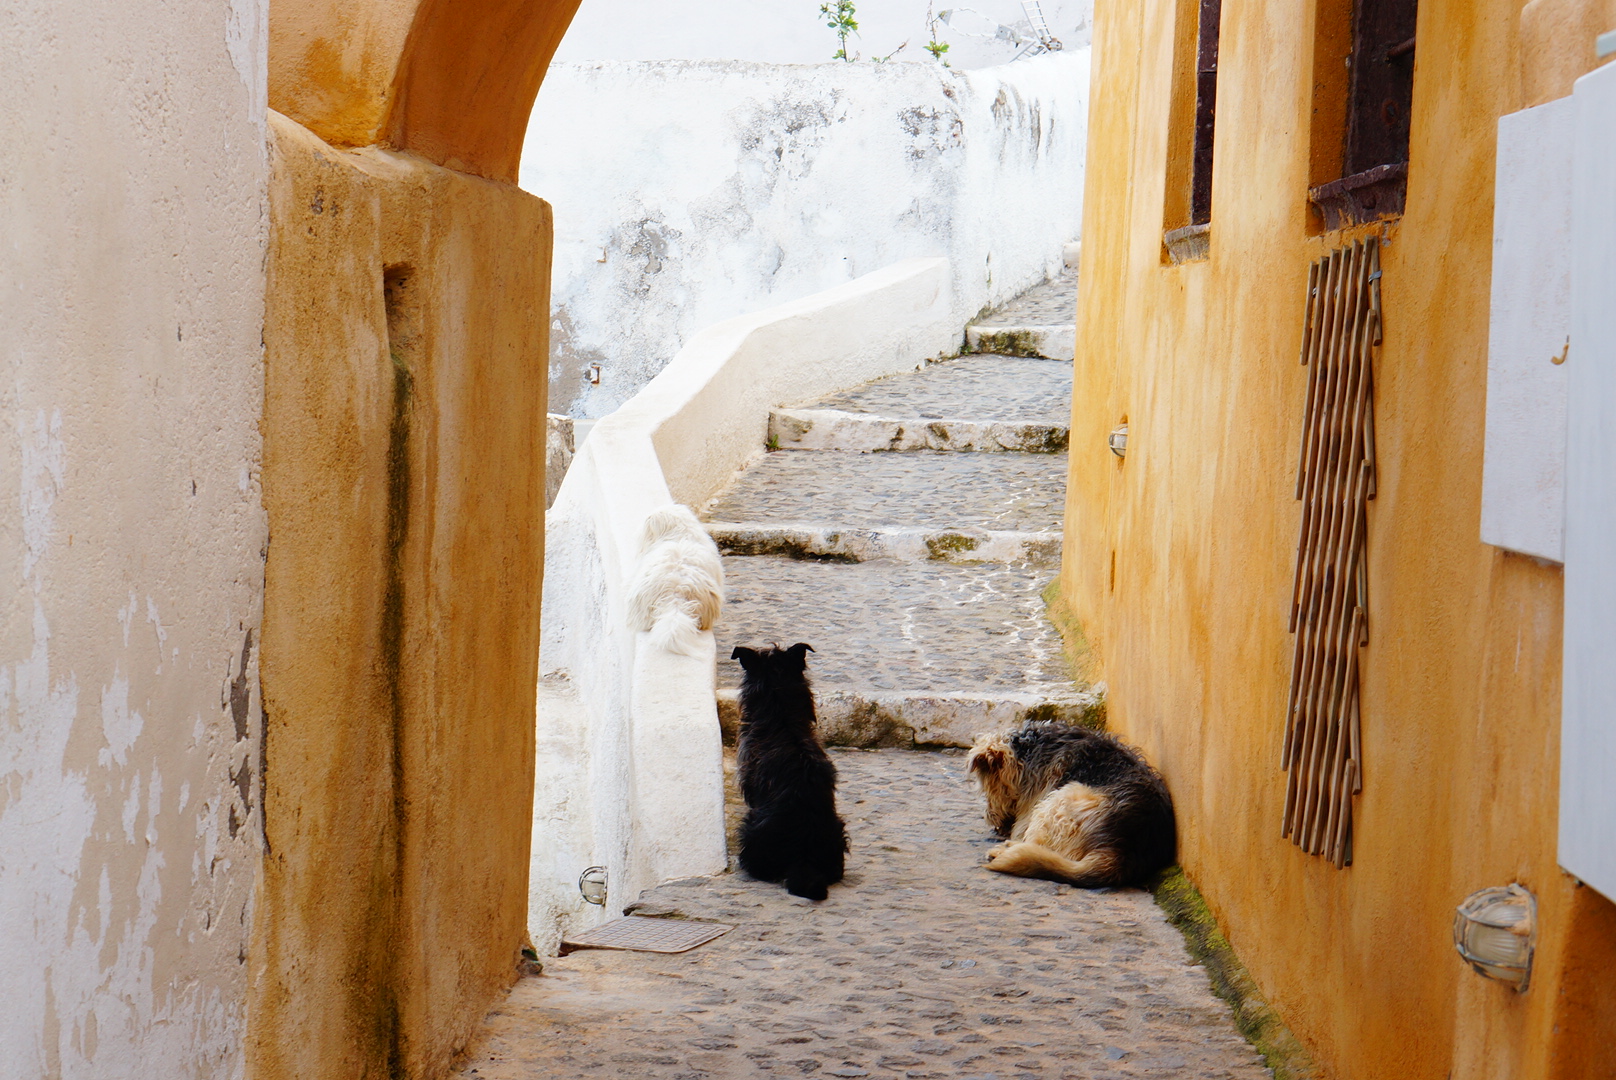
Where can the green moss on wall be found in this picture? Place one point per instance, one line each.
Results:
(1178, 897)
(1081, 663)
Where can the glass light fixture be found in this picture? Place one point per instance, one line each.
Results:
(1118, 441)
(1495, 930)
(592, 884)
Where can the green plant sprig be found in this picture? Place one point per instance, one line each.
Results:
(935, 47)
(840, 17)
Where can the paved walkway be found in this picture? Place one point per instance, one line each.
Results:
(922, 964)
(1050, 304)
(1039, 322)
(917, 575)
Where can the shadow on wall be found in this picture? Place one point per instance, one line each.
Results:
(730, 186)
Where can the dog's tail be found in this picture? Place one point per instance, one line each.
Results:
(1094, 870)
(676, 627)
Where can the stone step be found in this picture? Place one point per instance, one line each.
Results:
(980, 403)
(829, 429)
(1040, 322)
(1023, 339)
(938, 650)
(968, 389)
(925, 490)
(810, 541)
(876, 719)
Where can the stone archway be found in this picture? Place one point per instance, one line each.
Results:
(406, 349)
(450, 80)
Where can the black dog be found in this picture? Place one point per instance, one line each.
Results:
(792, 832)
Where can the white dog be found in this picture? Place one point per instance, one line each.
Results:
(678, 586)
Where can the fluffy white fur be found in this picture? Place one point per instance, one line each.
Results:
(678, 586)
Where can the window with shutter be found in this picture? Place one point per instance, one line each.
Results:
(1374, 117)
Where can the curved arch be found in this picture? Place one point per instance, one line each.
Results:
(400, 640)
(450, 80)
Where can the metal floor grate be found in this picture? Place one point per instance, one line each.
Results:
(644, 934)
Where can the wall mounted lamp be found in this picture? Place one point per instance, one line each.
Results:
(1118, 441)
(592, 885)
(1495, 930)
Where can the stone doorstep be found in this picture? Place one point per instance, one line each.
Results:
(831, 429)
(807, 541)
(1051, 342)
(874, 718)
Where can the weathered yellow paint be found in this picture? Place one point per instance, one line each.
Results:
(407, 344)
(450, 80)
(406, 348)
(1178, 561)
(1557, 45)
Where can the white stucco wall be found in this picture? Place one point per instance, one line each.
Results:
(131, 536)
(686, 193)
(628, 736)
(779, 32)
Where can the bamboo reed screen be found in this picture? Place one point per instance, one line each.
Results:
(1329, 601)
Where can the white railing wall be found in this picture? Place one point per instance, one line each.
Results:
(630, 766)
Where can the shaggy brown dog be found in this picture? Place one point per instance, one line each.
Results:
(1076, 805)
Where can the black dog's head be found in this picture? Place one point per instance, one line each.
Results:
(774, 688)
(774, 659)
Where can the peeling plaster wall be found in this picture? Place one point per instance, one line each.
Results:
(728, 187)
(132, 209)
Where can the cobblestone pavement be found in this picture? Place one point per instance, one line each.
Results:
(920, 965)
(1051, 304)
(920, 626)
(924, 488)
(986, 387)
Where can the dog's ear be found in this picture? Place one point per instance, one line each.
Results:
(985, 759)
(746, 656)
(799, 652)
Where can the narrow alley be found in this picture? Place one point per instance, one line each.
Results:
(921, 964)
(917, 575)
(406, 407)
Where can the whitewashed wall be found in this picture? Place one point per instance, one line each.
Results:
(1588, 712)
(628, 736)
(686, 193)
(792, 31)
(132, 179)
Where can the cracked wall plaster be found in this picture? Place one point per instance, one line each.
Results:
(728, 187)
(131, 300)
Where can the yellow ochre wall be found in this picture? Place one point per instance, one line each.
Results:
(406, 349)
(1179, 560)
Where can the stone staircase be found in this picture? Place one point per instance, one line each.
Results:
(1039, 322)
(907, 529)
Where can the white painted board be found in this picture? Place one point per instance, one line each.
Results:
(1588, 714)
(1523, 477)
